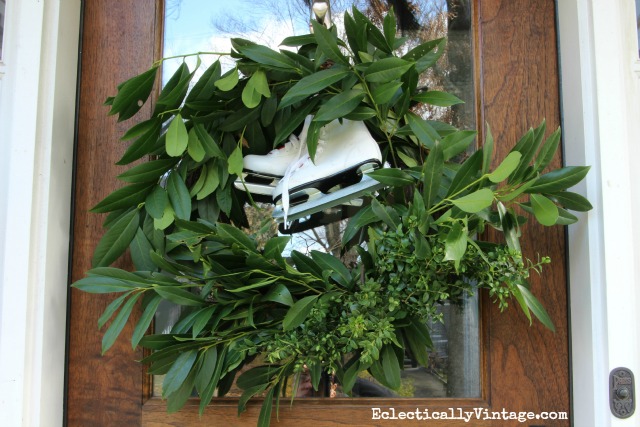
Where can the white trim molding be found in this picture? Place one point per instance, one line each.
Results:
(37, 122)
(600, 96)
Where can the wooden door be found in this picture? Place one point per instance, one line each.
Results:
(524, 368)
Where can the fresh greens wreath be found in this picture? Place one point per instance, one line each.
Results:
(184, 222)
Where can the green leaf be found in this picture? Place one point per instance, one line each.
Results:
(256, 376)
(234, 235)
(179, 296)
(174, 90)
(140, 247)
(156, 202)
(125, 197)
(437, 98)
(210, 146)
(545, 210)
(387, 69)
(103, 285)
(250, 97)
(423, 130)
(228, 81)
(559, 179)
(536, 308)
(456, 243)
(132, 94)
(313, 84)
(294, 120)
(487, 151)
(573, 201)
(235, 164)
(211, 181)
(179, 196)
(298, 313)
(145, 320)
(528, 150)
(340, 105)
(386, 214)
(385, 92)
(389, 27)
(264, 419)
(266, 56)
(140, 129)
(328, 262)
(392, 176)
(327, 43)
(201, 319)
(275, 246)
(426, 54)
(390, 366)
(205, 86)
(110, 336)
(565, 217)
(547, 152)
(207, 369)
(116, 240)
(508, 165)
(432, 172)
(177, 137)
(509, 227)
(457, 142)
(111, 309)
(144, 145)
(280, 294)
(178, 372)
(194, 146)
(475, 202)
(467, 173)
(149, 171)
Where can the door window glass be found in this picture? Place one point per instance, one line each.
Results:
(204, 26)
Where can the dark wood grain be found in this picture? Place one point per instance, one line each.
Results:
(529, 365)
(118, 42)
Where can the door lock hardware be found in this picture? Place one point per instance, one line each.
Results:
(622, 396)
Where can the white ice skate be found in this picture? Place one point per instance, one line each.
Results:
(346, 152)
(261, 174)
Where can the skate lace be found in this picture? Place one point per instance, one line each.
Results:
(302, 156)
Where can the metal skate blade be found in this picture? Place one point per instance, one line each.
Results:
(345, 196)
(253, 188)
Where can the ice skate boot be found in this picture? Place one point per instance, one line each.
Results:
(261, 174)
(346, 152)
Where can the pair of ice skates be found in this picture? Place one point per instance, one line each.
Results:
(302, 189)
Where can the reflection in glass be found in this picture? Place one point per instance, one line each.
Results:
(638, 23)
(205, 26)
(3, 4)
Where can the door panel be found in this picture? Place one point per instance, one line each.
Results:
(118, 40)
(525, 368)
